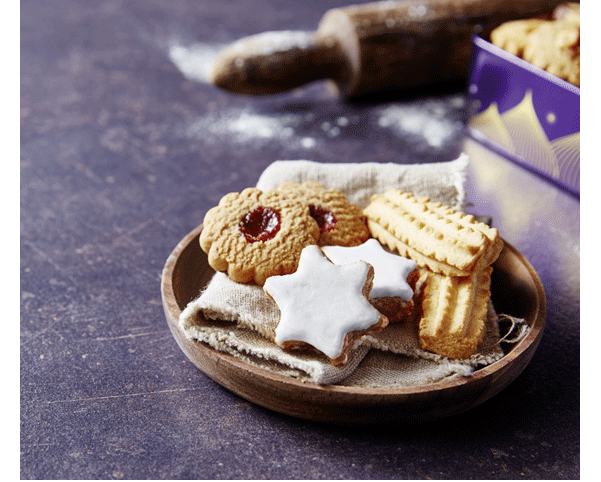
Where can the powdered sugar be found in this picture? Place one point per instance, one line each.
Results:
(244, 126)
(428, 122)
(268, 43)
(195, 61)
(426, 125)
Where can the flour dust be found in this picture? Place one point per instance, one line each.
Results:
(195, 61)
(245, 126)
(431, 123)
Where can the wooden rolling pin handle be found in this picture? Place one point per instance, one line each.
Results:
(368, 47)
(274, 62)
(393, 44)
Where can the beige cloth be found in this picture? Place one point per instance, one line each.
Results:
(443, 182)
(255, 318)
(240, 319)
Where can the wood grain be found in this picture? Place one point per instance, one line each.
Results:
(516, 290)
(369, 47)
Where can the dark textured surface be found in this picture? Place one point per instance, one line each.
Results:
(124, 147)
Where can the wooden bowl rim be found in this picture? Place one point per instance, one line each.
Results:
(172, 312)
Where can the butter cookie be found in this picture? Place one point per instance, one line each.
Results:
(255, 234)
(340, 222)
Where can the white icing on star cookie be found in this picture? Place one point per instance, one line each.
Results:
(321, 303)
(391, 270)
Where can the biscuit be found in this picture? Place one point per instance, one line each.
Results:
(555, 47)
(513, 36)
(453, 313)
(552, 45)
(253, 234)
(396, 309)
(324, 306)
(340, 222)
(394, 279)
(432, 234)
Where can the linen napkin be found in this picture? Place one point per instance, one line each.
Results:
(443, 182)
(240, 319)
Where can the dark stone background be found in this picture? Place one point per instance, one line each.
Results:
(125, 146)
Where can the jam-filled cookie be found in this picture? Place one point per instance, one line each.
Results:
(340, 222)
(255, 234)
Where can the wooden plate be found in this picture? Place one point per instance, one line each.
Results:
(516, 290)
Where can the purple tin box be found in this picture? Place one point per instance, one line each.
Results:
(526, 114)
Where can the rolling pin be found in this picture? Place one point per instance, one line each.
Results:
(368, 47)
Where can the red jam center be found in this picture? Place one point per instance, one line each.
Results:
(260, 224)
(324, 217)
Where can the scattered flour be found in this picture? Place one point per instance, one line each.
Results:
(332, 130)
(268, 43)
(247, 126)
(244, 126)
(308, 142)
(251, 126)
(195, 61)
(429, 122)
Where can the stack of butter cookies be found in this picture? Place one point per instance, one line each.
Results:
(455, 251)
(551, 44)
(338, 273)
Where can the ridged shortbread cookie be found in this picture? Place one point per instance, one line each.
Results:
(432, 234)
(453, 313)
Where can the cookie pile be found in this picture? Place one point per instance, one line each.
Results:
(553, 45)
(337, 273)
(455, 251)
